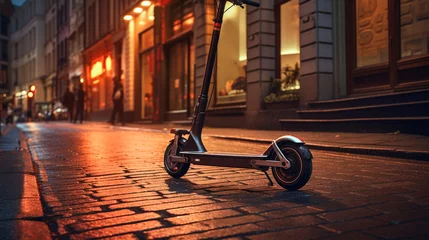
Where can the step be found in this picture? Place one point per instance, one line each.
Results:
(415, 125)
(408, 109)
(387, 98)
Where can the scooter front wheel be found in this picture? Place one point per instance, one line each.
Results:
(174, 169)
(301, 168)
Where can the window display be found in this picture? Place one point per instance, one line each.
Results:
(414, 30)
(232, 57)
(289, 45)
(371, 32)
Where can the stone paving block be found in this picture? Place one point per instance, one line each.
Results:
(116, 230)
(174, 205)
(176, 230)
(123, 237)
(394, 206)
(406, 230)
(403, 216)
(221, 233)
(290, 212)
(197, 217)
(348, 214)
(85, 205)
(205, 208)
(83, 226)
(231, 221)
(350, 236)
(299, 233)
(357, 224)
(290, 222)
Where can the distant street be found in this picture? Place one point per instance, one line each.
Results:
(100, 182)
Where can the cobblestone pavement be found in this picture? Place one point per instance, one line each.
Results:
(97, 182)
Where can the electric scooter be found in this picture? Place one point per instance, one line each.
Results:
(288, 157)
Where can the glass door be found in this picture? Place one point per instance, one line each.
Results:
(147, 68)
(181, 77)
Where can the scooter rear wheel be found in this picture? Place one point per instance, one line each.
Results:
(298, 175)
(174, 169)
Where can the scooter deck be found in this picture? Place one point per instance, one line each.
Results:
(222, 159)
(223, 154)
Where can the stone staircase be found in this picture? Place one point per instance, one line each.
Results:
(407, 112)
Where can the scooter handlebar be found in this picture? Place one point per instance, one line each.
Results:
(251, 3)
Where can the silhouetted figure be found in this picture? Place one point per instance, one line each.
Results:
(80, 103)
(68, 101)
(9, 118)
(118, 102)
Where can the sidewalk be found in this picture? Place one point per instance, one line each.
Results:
(21, 214)
(396, 144)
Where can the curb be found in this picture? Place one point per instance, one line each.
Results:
(384, 152)
(42, 230)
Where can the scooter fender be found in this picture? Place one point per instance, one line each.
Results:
(283, 139)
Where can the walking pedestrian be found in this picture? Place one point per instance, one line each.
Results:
(118, 102)
(68, 101)
(9, 118)
(80, 103)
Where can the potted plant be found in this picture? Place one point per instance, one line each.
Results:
(284, 92)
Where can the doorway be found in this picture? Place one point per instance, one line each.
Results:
(181, 84)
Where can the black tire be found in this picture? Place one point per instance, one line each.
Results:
(298, 175)
(176, 170)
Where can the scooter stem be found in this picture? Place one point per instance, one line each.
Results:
(194, 142)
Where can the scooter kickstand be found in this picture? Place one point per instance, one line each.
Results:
(270, 183)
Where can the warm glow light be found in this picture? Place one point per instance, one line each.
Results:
(81, 80)
(138, 10)
(128, 17)
(142, 22)
(33, 88)
(23, 92)
(96, 69)
(96, 81)
(290, 51)
(108, 63)
(30, 94)
(146, 3)
(151, 18)
(189, 21)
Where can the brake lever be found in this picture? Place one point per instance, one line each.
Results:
(238, 3)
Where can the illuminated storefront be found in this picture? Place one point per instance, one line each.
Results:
(98, 79)
(100, 84)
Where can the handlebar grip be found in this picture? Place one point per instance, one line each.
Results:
(251, 3)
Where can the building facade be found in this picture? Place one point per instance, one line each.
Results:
(51, 50)
(271, 60)
(5, 14)
(102, 54)
(28, 53)
(76, 43)
(63, 49)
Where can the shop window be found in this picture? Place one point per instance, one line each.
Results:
(371, 32)
(146, 18)
(232, 57)
(289, 45)
(182, 16)
(414, 30)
